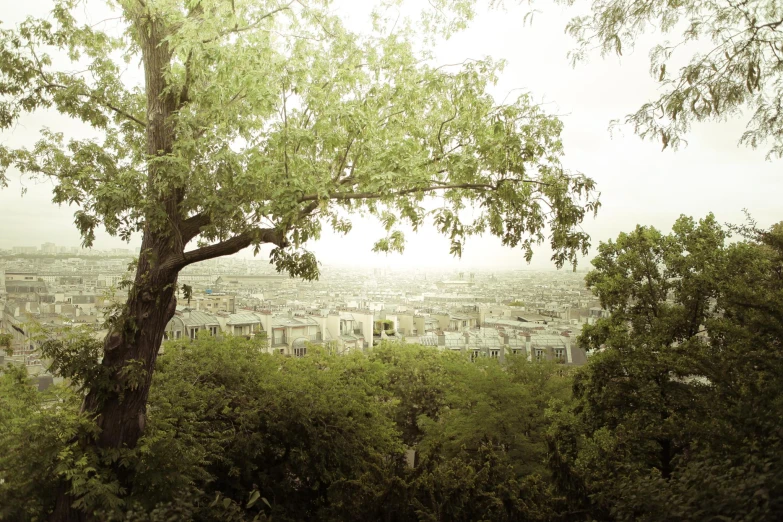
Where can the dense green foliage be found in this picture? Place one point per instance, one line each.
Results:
(5, 341)
(679, 416)
(318, 438)
(216, 125)
(262, 121)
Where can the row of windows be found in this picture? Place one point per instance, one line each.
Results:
(177, 334)
(475, 354)
(279, 335)
(540, 355)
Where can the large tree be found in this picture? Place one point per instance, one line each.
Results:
(258, 121)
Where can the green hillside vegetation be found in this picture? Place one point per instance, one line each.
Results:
(321, 437)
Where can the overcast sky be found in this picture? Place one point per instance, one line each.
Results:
(639, 183)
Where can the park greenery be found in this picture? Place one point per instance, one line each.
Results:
(676, 415)
(258, 122)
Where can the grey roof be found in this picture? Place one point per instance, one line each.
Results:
(279, 320)
(196, 317)
(511, 323)
(548, 341)
(483, 342)
(516, 343)
(428, 340)
(243, 318)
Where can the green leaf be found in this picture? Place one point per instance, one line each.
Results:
(254, 496)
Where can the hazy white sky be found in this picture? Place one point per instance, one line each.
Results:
(638, 182)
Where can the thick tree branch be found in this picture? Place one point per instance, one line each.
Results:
(117, 110)
(101, 102)
(341, 166)
(226, 248)
(191, 227)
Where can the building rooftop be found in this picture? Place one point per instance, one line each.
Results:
(196, 317)
(243, 318)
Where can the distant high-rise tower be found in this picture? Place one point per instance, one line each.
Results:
(461, 276)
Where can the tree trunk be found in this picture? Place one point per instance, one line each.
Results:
(130, 350)
(131, 346)
(134, 343)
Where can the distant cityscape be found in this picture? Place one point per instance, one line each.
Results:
(497, 314)
(53, 249)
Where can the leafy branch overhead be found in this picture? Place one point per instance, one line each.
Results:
(732, 56)
(259, 122)
(734, 67)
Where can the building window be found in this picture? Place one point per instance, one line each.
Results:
(494, 354)
(165, 336)
(193, 333)
(178, 334)
(474, 354)
(213, 330)
(518, 351)
(539, 355)
(300, 352)
(560, 354)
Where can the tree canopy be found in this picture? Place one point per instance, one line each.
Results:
(257, 122)
(322, 437)
(677, 415)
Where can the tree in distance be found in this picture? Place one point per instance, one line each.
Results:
(256, 123)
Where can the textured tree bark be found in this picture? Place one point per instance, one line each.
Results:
(133, 345)
(130, 351)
